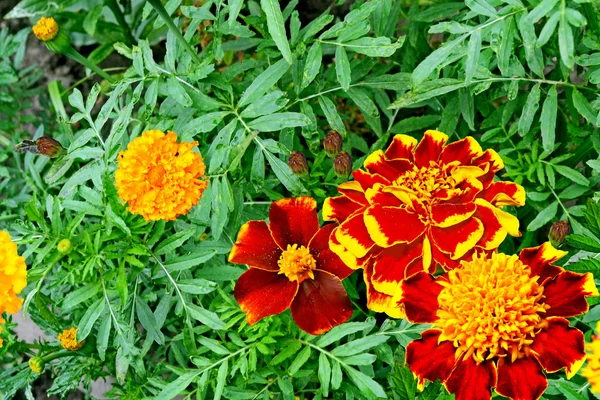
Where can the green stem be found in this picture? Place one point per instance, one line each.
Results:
(74, 54)
(58, 354)
(160, 9)
(116, 10)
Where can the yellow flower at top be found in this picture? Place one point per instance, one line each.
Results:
(68, 339)
(160, 178)
(46, 29)
(592, 369)
(13, 277)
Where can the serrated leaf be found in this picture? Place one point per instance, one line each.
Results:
(89, 319)
(543, 217)
(331, 113)
(314, 58)
(433, 60)
(572, 174)
(583, 242)
(324, 373)
(300, 360)
(264, 82)
(531, 106)
(583, 107)
(473, 51)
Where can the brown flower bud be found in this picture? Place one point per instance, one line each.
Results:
(342, 164)
(332, 143)
(298, 164)
(49, 147)
(558, 232)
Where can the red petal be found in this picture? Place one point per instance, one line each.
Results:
(255, 247)
(376, 163)
(457, 240)
(263, 293)
(463, 150)
(339, 208)
(326, 259)
(378, 196)
(354, 236)
(471, 381)
(381, 302)
(367, 180)
(566, 293)
(420, 298)
(558, 346)
(445, 261)
(350, 260)
(390, 266)
(494, 233)
(448, 214)
(504, 194)
(430, 360)
(490, 162)
(391, 225)
(401, 147)
(321, 304)
(353, 191)
(430, 148)
(522, 379)
(540, 258)
(293, 221)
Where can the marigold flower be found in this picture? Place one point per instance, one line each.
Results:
(592, 369)
(160, 178)
(417, 206)
(64, 246)
(13, 277)
(45, 29)
(68, 339)
(499, 321)
(36, 364)
(291, 266)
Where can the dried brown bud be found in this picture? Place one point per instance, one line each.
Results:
(49, 147)
(342, 164)
(298, 164)
(332, 143)
(558, 232)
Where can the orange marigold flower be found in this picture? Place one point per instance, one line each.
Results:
(592, 369)
(68, 339)
(13, 277)
(499, 321)
(291, 266)
(160, 178)
(420, 205)
(45, 29)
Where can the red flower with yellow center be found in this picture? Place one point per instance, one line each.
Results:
(419, 205)
(291, 266)
(498, 322)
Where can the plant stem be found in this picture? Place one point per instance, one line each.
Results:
(74, 54)
(116, 10)
(160, 9)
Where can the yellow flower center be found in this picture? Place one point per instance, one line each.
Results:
(426, 182)
(491, 306)
(592, 370)
(156, 175)
(46, 29)
(68, 339)
(297, 263)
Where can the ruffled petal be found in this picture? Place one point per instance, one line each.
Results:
(430, 360)
(263, 293)
(321, 304)
(444, 260)
(381, 302)
(504, 194)
(392, 265)
(420, 298)
(429, 148)
(458, 239)
(566, 293)
(391, 225)
(339, 208)
(444, 215)
(401, 147)
(540, 258)
(347, 258)
(255, 247)
(293, 221)
(471, 381)
(354, 192)
(494, 233)
(326, 259)
(367, 180)
(521, 379)
(376, 163)
(559, 346)
(463, 150)
(354, 236)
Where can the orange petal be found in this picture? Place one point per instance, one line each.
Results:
(293, 221)
(504, 194)
(540, 259)
(381, 302)
(367, 180)
(429, 148)
(326, 259)
(376, 163)
(559, 346)
(263, 293)
(420, 298)
(396, 263)
(464, 151)
(566, 293)
(255, 247)
(430, 360)
(449, 214)
(472, 381)
(401, 147)
(457, 240)
(354, 236)
(521, 379)
(321, 304)
(391, 225)
(339, 208)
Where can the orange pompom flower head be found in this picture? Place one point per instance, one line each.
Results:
(68, 339)
(13, 277)
(45, 29)
(160, 178)
(291, 266)
(592, 369)
(419, 205)
(498, 321)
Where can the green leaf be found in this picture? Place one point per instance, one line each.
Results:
(583, 242)
(91, 19)
(582, 266)
(264, 82)
(286, 353)
(178, 92)
(103, 336)
(571, 174)
(364, 102)
(234, 9)
(324, 374)
(214, 345)
(221, 379)
(543, 217)
(268, 104)
(80, 295)
(148, 321)
(312, 65)
(566, 45)
(473, 51)
(331, 113)
(403, 382)
(359, 345)
(341, 331)
(481, 7)
(365, 383)
(174, 241)
(86, 323)
(177, 387)
(541, 10)
(284, 173)
(205, 316)
(197, 286)
(433, 60)
(548, 120)
(300, 360)
(531, 106)
(583, 107)
(412, 124)
(374, 47)
(342, 68)
(279, 121)
(276, 27)
(548, 30)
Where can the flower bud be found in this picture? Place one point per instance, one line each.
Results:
(342, 164)
(36, 364)
(48, 31)
(297, 163)
(49, 147)
(332, 143)
(64, 246)
(558, 232)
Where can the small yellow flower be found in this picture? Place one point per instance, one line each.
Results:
(46, 29)
(13, 277)
(64, 246)
(592, 369)
(68, 339)
(36, 364)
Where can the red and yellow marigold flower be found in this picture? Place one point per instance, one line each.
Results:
(291, 266)
(68, 339)
(498, 321)
(592, 369)
(419, 205)
(160, 178)
(13, 277)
